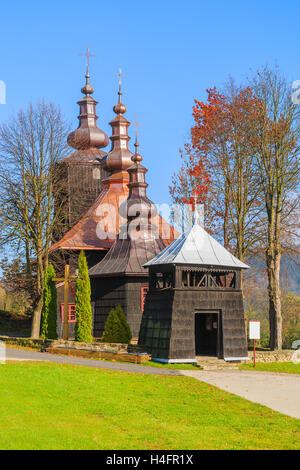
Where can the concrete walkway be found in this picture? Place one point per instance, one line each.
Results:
(23, 355)
(281, 392)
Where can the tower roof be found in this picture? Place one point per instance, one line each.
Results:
(197, 247)
(87, 135)
(119, 156)
(127, 258)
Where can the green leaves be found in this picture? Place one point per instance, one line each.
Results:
(49, 309)
(84, 317)
(116, 328)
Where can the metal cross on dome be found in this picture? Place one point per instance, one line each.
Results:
(120, 75)
(87, 54)
(136, 124)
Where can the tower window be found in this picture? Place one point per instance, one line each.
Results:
(144, 291)
(96, 173)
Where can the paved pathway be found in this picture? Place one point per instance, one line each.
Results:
(281, 392)
(24, 355)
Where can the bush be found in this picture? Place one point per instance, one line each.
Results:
(84, 317)
(49, 309)
(116, 328)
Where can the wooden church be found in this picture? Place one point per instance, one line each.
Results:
(98, 183)
(181, 294)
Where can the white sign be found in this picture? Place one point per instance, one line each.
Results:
(254, 329)
(2, 352)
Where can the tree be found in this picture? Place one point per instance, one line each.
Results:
(84, 317)
(16, 285)
(277, 164)
(30, 146)
(116, 328)
(49, 309)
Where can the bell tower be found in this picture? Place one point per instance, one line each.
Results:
(83, 171)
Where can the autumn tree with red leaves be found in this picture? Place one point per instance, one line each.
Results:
(220, 167)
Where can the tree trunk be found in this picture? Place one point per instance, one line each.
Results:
(225, 225)
(36, 319)
(275, 318)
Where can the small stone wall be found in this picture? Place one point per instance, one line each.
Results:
(24, 342)
(115, 347)
(271, 356)
(41, 343)
(106, 355)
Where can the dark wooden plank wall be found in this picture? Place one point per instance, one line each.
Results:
(107, 292)
(181, 305)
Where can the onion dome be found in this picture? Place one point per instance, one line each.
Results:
(119, 156)
(87, 135)
(139, 210)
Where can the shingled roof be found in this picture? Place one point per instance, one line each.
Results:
(197, 247)
(127, 258)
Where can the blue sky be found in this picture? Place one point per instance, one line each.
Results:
(171, 51)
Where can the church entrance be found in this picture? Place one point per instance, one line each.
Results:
(207, 333)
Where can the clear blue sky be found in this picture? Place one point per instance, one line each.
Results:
(170, 51)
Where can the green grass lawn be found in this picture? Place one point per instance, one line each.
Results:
(285, 367)
(58, 406)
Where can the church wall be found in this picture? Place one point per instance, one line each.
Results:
(156, 324)
(107, 292)
(133, 303)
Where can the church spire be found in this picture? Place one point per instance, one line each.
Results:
(137, 184)
(119, 157)
(87, 135)
(120, 108)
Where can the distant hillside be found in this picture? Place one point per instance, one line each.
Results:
(289, 272)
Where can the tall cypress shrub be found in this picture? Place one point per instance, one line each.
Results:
(116, 328)
(84, 318)
(49, 309)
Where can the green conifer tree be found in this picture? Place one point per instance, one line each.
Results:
(116, 328)
(84, 318)
(49, 309)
